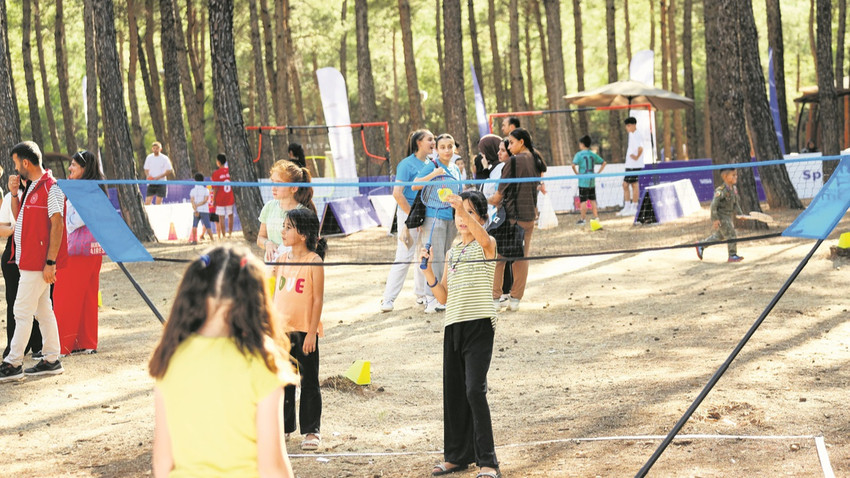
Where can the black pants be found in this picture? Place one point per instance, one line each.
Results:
(467, 431)
(508, 280)
(310, 412)
(11, 276)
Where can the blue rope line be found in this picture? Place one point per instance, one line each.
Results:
(377, 184)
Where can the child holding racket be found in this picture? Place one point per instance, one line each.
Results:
(466, 288)
(299, 289)
(724, 206)
(219, 369)
(439, 220)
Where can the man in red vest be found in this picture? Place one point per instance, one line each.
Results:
(41, 248)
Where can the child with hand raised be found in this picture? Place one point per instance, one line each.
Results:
(466, 288)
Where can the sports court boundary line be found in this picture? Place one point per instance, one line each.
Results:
(818, 439)
(820, 446)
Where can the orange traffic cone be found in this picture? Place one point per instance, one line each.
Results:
(172, 233)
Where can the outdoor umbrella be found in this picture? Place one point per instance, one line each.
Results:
(624, 93)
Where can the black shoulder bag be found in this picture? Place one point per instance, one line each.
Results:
(417, 209)
(510, 238)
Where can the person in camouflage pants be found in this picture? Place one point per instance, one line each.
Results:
(724, 206)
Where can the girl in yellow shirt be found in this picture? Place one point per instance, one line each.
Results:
(220, 369)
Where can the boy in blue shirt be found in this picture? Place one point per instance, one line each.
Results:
(583, 163)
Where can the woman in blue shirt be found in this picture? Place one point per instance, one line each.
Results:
(420, 144)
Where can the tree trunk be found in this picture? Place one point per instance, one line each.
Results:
(441, 62)
(552, 120)
(29, 76)
(830, 120)
(228, 114)
(155, 95)
(194, 109)
(45, 87)
(562, 129)
(177, 149)
(615, 129)
(774, 39)
(453, 90)
(414, 101)
(497, 57)
(196, 46)
(812, 43)
(292, 66)
(135, 120)
(91, 77)
(396, 137)
(284, 113)
(839, 43)
(690, 92)
(343, 45)
(674, 82)
(729, 142)
(10, 134)
(666, 117)
(476, 53)
(628, 32)
(518, 102)
(368, 108)
(260, 78)
(116, 132)
(268, 40)
(62, 78)
(579, 44)
(777, 185)
(652, 25)
(530, 82)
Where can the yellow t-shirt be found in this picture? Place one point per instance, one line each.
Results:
(211, 393)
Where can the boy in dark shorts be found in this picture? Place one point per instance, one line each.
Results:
(583, 163)
(724, 206)
(634, 162)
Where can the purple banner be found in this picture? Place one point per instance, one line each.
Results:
(348, 215)
(480, 109)
(774, 102)
(702, 181)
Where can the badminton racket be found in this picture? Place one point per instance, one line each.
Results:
(435, 196)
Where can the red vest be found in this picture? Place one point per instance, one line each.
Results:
(35, 234)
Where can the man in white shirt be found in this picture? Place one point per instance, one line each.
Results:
(634, 162)
(157, 167)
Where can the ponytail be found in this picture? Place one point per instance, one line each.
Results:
(304, 194)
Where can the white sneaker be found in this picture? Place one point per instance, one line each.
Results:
(434, 306)
(387, 306)
(504, 298)
(514, 305)
(628, 210)
(497, 304)
(421, 300)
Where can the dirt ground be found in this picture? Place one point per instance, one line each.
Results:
(606, 352)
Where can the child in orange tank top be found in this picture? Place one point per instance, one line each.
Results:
(299, 289)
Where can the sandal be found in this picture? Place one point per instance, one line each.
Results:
(310, 444)
(489, 474)
(441, 469)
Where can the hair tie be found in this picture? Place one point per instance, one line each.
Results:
(205, 259)
(243, 262)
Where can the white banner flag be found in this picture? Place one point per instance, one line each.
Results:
(335, 106)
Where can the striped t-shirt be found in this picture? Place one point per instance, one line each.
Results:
(470, 285)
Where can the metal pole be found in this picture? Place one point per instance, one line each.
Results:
(719, 373)
(141, 292)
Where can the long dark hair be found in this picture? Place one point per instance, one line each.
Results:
(413, 140)
(524, 136)
(298, 151)
(91, 167)
(306, 223)
(235, 279)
